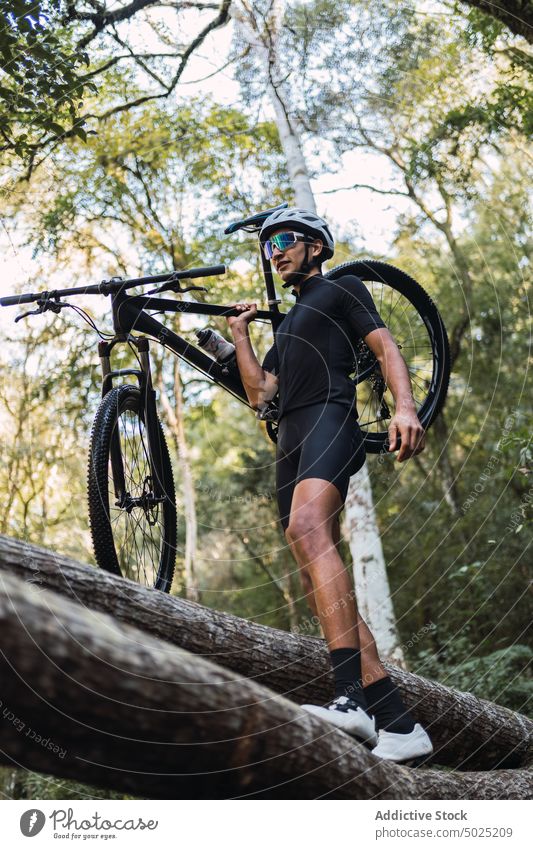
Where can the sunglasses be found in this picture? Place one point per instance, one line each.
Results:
(281, 241)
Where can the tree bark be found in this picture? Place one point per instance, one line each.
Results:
(86, 697)
(467, 732)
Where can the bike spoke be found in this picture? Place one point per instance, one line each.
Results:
(409, 331)
(139, 531)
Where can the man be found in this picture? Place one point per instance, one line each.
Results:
(319, 447)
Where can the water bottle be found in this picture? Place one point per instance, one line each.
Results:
(219, 348)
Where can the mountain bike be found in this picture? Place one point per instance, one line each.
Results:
(131, 496)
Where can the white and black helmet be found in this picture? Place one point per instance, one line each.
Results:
(303, 220)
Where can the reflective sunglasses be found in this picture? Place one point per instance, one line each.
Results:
(281, 241)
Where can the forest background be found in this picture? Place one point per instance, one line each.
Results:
(132, 133)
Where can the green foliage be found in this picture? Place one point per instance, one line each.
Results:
(45, 388)
(171, 178)
(467, 567)
(506, 102)
(46, 787)
(481, 29)
(432, 96)
(21, 784)
(41, 85)
(503, 676)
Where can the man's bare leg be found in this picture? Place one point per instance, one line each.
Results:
(315, 504)
(371, 665)
(372, 668)
(383, 698)
(325, 580)
(314, 536)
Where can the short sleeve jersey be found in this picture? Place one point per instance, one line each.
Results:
(315, 345)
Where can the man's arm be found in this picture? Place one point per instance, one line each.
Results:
(405, 423)
(260, 385)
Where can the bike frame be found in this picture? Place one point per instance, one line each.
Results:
(130, 313)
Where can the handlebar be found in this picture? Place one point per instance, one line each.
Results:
(14, 300)
(116, 284)
(209, 271)
(191, 273)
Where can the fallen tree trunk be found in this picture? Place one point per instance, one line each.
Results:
(87, 697)
(467, 732)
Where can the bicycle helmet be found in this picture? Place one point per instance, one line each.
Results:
(303, 220)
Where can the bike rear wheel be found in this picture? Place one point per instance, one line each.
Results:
(133, 531)
(417, 327)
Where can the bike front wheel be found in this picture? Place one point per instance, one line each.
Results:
(133, 529)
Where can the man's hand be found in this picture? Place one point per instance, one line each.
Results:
(406, 425)
(247, 313)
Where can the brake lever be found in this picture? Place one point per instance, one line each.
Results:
(26, 314)
(44, 305)
(174, 286)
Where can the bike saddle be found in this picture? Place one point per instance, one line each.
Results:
(254, 221)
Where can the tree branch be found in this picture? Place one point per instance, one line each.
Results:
(102, 18)
(515, 14)
(216, 23)
(365, 186)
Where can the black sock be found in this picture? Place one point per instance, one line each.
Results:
(346, 665)
(384, 701)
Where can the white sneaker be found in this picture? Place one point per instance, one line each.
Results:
(347, 715)
(403, 747)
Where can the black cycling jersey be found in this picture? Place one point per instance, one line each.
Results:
(314, 348)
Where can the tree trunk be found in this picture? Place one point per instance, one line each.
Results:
(467, 732)
(448, 476)
(88, 698)
(263, 35)
(176, 420)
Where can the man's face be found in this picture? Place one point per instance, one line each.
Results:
(287, 263)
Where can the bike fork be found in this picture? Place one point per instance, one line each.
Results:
(155, 448)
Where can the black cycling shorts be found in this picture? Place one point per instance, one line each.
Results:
(319, 441)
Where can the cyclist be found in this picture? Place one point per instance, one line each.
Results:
(319, 447)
